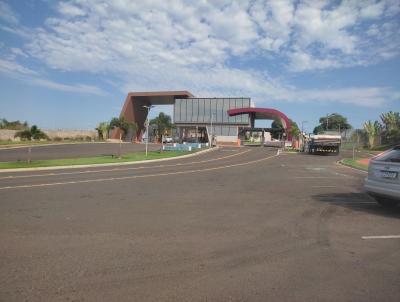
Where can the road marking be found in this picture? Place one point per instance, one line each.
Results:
(323, 186)
(382, 237)
(348, 167)
(314, 177)
(123, 169)
(136, 176)
(341, 174)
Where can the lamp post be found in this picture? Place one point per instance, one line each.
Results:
(147, 125)
(302, 134)
(327, 120)
(211, 130)
(302, 125)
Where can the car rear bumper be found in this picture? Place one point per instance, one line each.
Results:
(377, 188)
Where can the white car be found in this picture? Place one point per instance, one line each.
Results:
(167, 139)
(383, 181)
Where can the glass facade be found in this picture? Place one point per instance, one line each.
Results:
(201, 110)
(223, 130)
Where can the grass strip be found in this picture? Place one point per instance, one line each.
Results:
(129, 157)
(354, 164)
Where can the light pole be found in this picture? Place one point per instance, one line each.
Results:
(302, 125)
(302, 134)
(147, 125)
(327, 120)
(211, 130)
(327, 123)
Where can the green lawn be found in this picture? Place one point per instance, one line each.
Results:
(129, 157)
(354, 164)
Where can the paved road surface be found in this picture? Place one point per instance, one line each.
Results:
(70, 151)
(231, 225)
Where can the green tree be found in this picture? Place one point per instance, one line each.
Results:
(391, 122)
(359, 137)
(372, 130)
(121, 123)
(103, 129)
(33, 133)
(332, 122)
(3, 123)
(14, 125)
(126, 127)
(162, 124)
(277, 124)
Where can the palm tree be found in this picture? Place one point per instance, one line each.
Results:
(372, 130)
(102, 129)
(391, 120)
(126, 127)
(162, 123)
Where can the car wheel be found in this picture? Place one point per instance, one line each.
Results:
(386, 202)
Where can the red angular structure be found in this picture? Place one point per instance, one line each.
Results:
(134, 112)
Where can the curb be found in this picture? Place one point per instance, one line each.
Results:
(105, 164)
(339, 162)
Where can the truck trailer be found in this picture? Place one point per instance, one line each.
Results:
(323, 143)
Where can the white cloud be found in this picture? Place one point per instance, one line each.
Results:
(19, 31)
(301, 61)
(18, 52)
(373, 10)
(328, 27)
(15, 70)
(362, 96)
(162, 45)
(79, 88)
(275, 20)
(7, 14)
(70, 10)
(221, 81)
(118, 35)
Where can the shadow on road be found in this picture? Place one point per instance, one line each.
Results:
(357, 202)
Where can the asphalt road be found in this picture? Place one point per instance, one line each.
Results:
(231, 225)
(59, 151)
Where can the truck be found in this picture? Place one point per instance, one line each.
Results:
(323, 143)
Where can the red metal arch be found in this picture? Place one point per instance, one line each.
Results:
(265, 113)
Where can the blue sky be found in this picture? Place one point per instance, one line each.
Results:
(70, 64)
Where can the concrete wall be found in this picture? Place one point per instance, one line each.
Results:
(226, 139)
(71, 133)
(62, 134)
(6, 135)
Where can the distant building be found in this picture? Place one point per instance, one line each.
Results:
(200, 118)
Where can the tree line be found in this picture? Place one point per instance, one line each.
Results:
(162, 124)
(103, 129)
(13, 125)
(383, 132)
(24, 131)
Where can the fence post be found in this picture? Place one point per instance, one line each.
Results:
(29, 153)
(120, 144)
